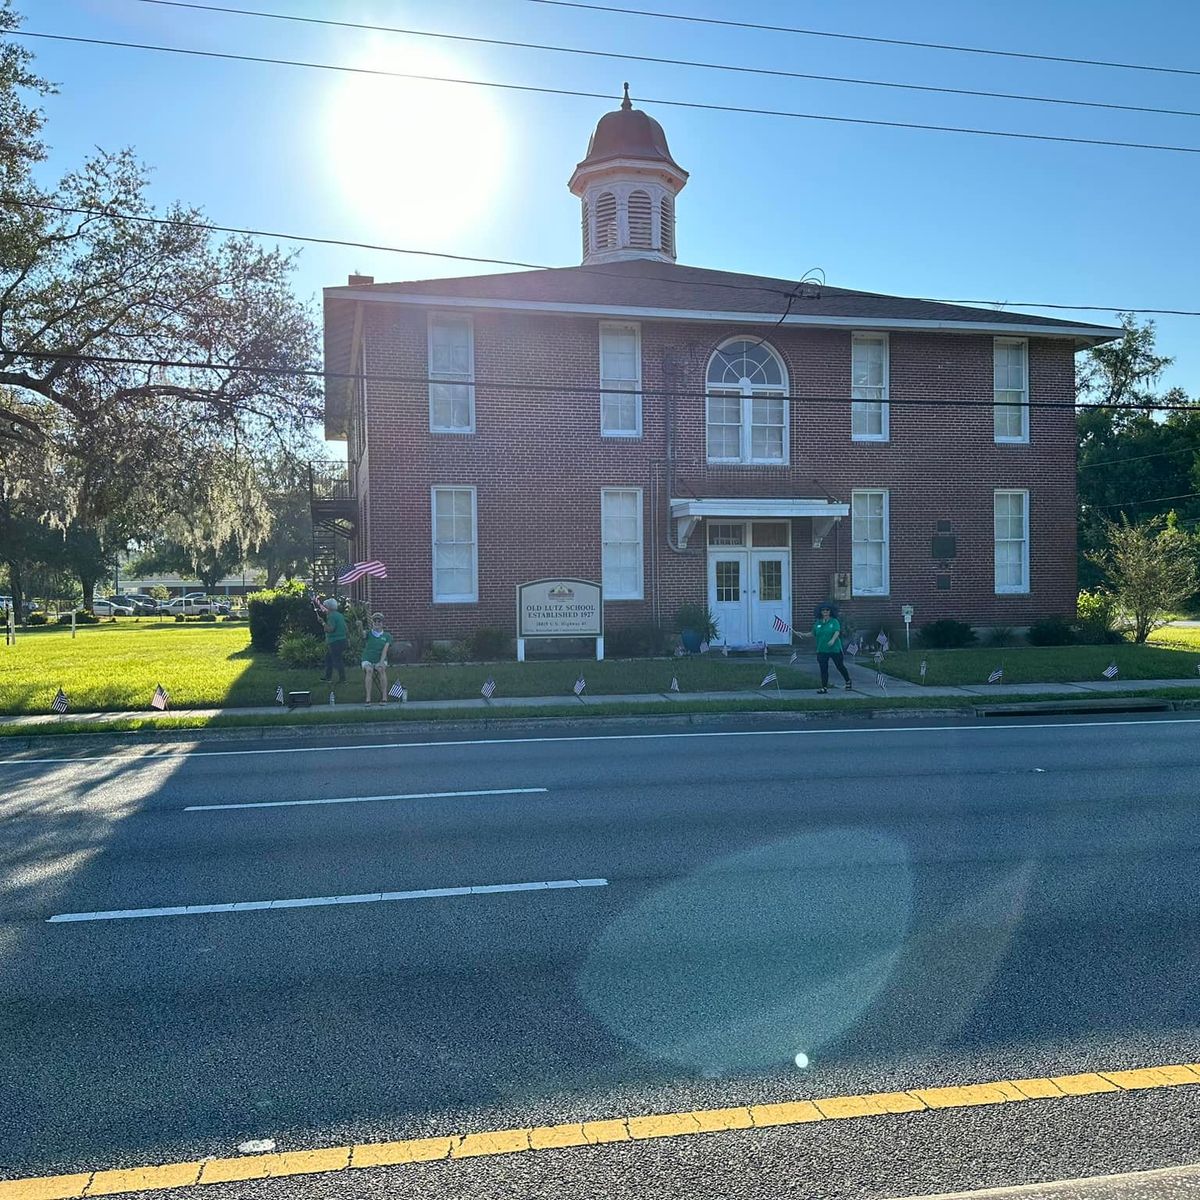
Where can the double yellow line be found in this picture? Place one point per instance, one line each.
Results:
(588, 1133)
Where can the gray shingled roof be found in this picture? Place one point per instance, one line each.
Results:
(644, 283)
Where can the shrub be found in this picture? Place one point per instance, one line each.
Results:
(1096, 614)
(38, 619)
(207, 617)
(1001, 635)
(301, 650)
(696, 617)
(646, 640)
(947, 635)
(489, 641)
(444, 652)
(1051, 631)
(82, 617)
(275, 611)
(180, 618)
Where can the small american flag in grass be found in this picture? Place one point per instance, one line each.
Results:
(580, 684)
(852, 649)
(1111, 671)
(771, 678)
(59, 703)
(160, 699)
(794, 659)
(398, 691)
(881, 680)
(488, 690)
(924, 668)
(674, 684)
(332, 698)
(357, 571)
(279, 694)
(997, 676)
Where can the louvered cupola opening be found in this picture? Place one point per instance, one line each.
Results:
(639, 220)
(587, 230)
(606, 222)
(666, 226)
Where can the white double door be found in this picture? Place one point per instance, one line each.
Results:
(747, 590)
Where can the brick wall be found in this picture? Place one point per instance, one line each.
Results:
(538, 463)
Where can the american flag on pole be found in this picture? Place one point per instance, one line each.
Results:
(924, 668)
(704, 648)
(580, 684)
(780, 625)
(878, 657)
(997, 676)
(794, 659)
(852, 649)
(160, 699)
(881, 680)
(488, 690)
(59, 703)
(882, 640)
(674, 684)
(1111, 671)
(771, 678)
(279, 694)
(356, 571)
(332, 698)
(398, 691)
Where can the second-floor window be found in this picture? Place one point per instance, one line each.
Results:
(451, 374)
(1011, 389)
(620, 380)
(869, 387)
(747, 416)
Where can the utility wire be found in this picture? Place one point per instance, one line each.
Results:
(14, 354)
(1150, 500)
(777, 73)
(1124, 458)
(881, 41)
(227, 56)
(510, 262)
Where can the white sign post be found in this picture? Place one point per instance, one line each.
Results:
(560, 608)
(10, 627)
(906, 611)
(72, 622)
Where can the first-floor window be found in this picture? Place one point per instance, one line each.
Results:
(455, 559)
(869, 532)
(1011, 516)
(621, 534)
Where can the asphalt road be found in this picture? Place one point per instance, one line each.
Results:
(902, 905)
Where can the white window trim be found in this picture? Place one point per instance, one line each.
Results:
(885, 424)
(1023, 438)
(748, 398)
(465, 597)
(623, 327)
(1023, 590)
(886, 590)
(641, 538)
(435, 378)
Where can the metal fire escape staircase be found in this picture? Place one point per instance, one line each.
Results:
(334, 510)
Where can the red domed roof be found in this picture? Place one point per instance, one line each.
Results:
(628, 133)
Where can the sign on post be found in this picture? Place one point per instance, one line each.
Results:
(906, 611)
(560, 608)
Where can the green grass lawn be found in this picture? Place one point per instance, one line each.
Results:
(116, 666)
(1174, 655)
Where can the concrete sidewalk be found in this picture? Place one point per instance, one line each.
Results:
(862, 677)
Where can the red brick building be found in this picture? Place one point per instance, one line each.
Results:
(682, 434)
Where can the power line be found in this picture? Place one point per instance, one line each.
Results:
(533, 388)
(881, 41)
(1061, 139)
(1150, 500)
(1124, 458)
(511, 262)
(777, 73)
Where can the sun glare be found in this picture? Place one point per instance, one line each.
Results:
(413, 161)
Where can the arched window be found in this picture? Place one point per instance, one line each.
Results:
(587, 233)
(666, 225)
(747, 417)
(639, 219)
(606, 221)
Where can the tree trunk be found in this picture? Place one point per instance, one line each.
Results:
(16, 586)
(87, 580)
(273, 572)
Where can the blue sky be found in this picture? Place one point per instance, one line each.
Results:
(483, 171)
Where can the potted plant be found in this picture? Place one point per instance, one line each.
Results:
(696, 625)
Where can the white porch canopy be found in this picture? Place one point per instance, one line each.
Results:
(687, 513)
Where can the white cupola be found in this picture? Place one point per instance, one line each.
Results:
(627, 183)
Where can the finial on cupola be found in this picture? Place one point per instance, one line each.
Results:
(627, 104)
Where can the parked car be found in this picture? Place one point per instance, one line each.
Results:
(108, 607)
(194, 604)
(142, 606)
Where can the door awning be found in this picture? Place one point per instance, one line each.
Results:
(687, 513)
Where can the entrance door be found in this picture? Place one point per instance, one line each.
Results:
(770, 595)
(728, 594)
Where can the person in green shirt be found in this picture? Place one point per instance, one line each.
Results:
(375, 658)
(335, 642)
(827, 630)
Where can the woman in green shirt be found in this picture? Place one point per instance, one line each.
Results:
(827, 630)
(375, 658)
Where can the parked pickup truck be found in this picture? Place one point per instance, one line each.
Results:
(194, 604)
